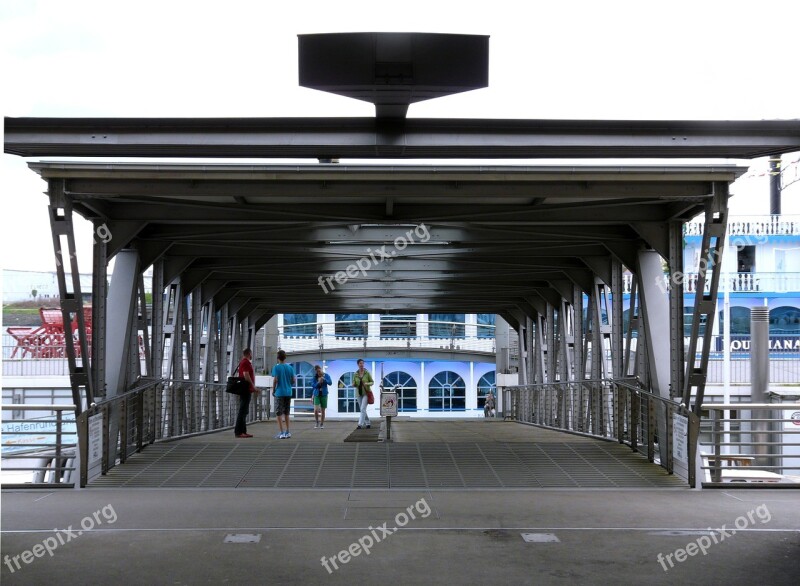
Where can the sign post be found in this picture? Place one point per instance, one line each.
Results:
(388, 410)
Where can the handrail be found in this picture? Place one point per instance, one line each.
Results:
(614, 409)
(155, 410)
(54, 459)
(761, 443)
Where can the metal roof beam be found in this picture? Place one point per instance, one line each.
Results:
(338, 138)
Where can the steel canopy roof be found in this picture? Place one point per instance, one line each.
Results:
(493, 239)
(414, 138)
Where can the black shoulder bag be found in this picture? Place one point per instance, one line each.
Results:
(237, 385)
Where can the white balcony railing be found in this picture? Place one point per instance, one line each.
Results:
(735, 282)
(753, 226)
(363, 334)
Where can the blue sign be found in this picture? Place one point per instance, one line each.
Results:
(19, 435)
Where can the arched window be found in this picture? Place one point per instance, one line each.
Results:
(486, 384)
(304, 380)
(447, 392)
(784, 320)
(406, 388)
(348, 402)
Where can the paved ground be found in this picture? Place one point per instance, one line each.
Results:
(149, 534)
(423, 454)
(178, 536)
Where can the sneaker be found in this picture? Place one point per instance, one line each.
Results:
(358, 427)
(322, 426)
(287, 435)
(279, 436)
(316, 426)
(368, 426)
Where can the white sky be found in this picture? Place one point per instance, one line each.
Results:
(703, 59)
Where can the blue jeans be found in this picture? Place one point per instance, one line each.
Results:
(363, 418)
(241, 417)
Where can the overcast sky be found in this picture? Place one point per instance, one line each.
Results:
(584, 60)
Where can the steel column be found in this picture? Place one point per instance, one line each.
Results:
(530, 363)
(579, 359)
(196, 335)
(676, 308)
(524, 353)
(157, 339)
(633, 326)
(144, 320)
(119, 335)
(655, 312)
(566, 339)
(99, 295)
(616, 318)
(552, 345)
(540, 350)
(63, 235)
(705, 304)
(209, 341)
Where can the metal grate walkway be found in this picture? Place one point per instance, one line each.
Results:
(534, 460)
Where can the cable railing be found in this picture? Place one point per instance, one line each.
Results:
(760, 445)
(38, 451)
(620, 410)
(156, 410)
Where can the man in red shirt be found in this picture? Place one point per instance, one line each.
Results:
(248, 374)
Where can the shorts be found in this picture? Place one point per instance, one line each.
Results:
(321, 401)
(282, 405)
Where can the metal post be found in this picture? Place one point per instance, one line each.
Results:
(157, 313)
(716, 221)
(633, 325)
(616, 318)
(579, 361)
(523, 360)
(539, 351)
(60, 210)
(676, 272)
(775, 185)
(99, 295)
(552, 345)
(144, 322)
(119, 333)
(759, 386)
(655, 306)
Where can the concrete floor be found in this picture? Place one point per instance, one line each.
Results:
(570, 536)
(424, 454)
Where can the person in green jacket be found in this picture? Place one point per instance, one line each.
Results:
(362, 381)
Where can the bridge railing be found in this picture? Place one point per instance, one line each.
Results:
(156, 410)
(760, 444)
(620, 410)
